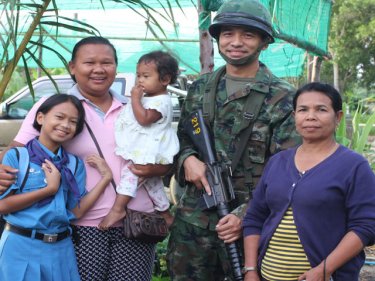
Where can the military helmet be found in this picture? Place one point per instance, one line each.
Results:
(248, 13)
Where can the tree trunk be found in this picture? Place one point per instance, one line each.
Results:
(206, 50)
(9, 68)
(315, 76)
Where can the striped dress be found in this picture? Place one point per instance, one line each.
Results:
(285, 258)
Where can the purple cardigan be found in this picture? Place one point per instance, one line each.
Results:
(334, 197)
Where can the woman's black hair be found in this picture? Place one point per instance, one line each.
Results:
(325, 89)
(57, 99)
(93, 40)
(166, 64)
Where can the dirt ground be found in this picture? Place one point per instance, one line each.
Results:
(368, 271)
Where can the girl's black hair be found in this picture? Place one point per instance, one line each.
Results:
(166, 64)
(57, 99)
(325, 89)
(93, 40)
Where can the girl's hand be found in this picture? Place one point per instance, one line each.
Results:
(53, 177)
(101, 165)
(137, 92)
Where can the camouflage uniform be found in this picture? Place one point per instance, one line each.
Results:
(194, 251)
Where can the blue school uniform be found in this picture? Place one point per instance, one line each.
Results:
(26, 258)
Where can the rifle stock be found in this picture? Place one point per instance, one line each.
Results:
(218, 176)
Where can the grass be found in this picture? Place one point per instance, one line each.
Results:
(155, 278)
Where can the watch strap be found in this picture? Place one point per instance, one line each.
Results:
(246, 269)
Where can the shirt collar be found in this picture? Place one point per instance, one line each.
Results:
(54, 156)
(74, 91)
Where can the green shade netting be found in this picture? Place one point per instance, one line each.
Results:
(300, 25)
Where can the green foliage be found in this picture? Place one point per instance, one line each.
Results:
(156, 278)
(18, 79)
(341, 132)
(160, 268)
(16, 82)
(17, 44)
(17, 35)
(355, 134)
(352, 42)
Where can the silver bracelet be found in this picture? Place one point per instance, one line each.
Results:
(246, 269)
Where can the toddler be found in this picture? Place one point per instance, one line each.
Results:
(144, 134)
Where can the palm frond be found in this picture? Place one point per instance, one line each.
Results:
(13, 27)
(71, 27)
(63, 60)
(34, 6)
(40, 64)
(28, 77)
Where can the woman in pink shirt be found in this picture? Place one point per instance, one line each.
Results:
(101, 255)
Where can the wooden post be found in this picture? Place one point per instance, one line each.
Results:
(206, 49)
(315, 76)
(336, 80)
(309, 67)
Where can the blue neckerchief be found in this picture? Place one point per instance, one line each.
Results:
(38, 155)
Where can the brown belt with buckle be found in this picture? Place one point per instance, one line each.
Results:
(48, 238)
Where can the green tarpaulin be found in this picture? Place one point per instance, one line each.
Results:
(300, 24)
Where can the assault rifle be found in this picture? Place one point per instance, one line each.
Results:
(218, 176)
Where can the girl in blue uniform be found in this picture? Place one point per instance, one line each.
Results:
(36, 243)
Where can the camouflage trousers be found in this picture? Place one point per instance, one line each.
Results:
(196, 254)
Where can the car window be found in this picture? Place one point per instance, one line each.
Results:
(119, 86)
(21, 107)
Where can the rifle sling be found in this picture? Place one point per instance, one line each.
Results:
(209, 95)
(250, 111)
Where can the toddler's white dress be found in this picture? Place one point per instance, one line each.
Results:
(153, 144)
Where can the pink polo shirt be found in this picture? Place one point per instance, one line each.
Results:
(82, 145)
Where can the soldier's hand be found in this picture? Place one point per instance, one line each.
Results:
(229, 228)
(7, 177)
(195, 172)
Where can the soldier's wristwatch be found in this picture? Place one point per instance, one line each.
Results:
(246, 269)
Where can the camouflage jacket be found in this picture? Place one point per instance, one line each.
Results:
(273, 130)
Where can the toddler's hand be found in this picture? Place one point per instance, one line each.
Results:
(101, 165)
(137, 92)
(53, 176)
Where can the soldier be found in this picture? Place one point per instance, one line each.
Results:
(229, 98)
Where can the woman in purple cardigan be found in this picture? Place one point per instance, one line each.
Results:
(313, 211)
